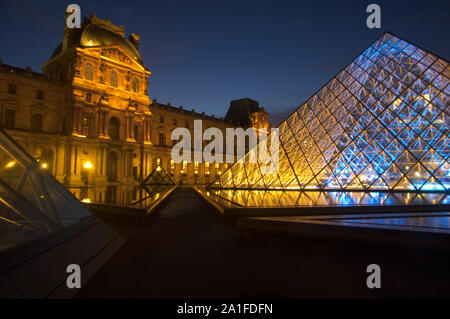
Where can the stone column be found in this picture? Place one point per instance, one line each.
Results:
(75, 113)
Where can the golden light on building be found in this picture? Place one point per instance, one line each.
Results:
(184, 167)
(107, 115)
(196, 168)
(10, 164)
(87, 165)
(172, 167)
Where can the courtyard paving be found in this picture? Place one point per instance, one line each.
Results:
(188, 251)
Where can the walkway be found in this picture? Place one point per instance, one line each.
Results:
(187, 251)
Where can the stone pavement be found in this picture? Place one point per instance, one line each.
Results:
(188, 251)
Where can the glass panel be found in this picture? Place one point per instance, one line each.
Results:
(382, 123)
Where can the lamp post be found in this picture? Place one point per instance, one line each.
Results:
(87, 167)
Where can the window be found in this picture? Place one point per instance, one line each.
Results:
(135, 85)
(114, 128)
(86, 125)
(172, 167)
(88, 71)
(206, 168)
(40, 94)
(216, 166)
(196, 168)
(162, 139)
(136, 132)
(161, 119)
(12, 89)
(88, 97)
(174, 121)
(184, 168)
(36, 123)
(10, 117)
(158, 161)
(113, 78)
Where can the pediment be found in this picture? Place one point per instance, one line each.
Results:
(39, 106)
(116, 54)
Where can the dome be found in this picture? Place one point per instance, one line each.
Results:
(94, 35)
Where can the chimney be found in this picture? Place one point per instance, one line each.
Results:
(134, 39)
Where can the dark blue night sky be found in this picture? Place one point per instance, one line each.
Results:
(203, 54)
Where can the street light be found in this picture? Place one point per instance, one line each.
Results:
(87, 166)
(10, 164)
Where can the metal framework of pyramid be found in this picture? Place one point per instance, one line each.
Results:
(158, 177)
(381, 124)
(33, 204)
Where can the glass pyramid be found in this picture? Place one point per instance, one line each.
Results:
(158, 177)
(382, 123)
(33, 203)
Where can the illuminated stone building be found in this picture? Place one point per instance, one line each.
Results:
(88, 118)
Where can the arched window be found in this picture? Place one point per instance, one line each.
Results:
(135, 85)
(88, 71)
(113, 78)
(114, 128)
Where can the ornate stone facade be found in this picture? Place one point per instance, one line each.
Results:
(88, 118)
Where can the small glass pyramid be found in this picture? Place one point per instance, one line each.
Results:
(381, 124)
(158, 177)
(33, 203)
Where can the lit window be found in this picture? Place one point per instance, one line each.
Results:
(172, 167)
(196, 168)
(113, 78)
(88, 71)
(184, 168)
(158, 161)
(206, 168)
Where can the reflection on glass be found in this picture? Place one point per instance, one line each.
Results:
(123, 195)
(33, 204)
(271, 198)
